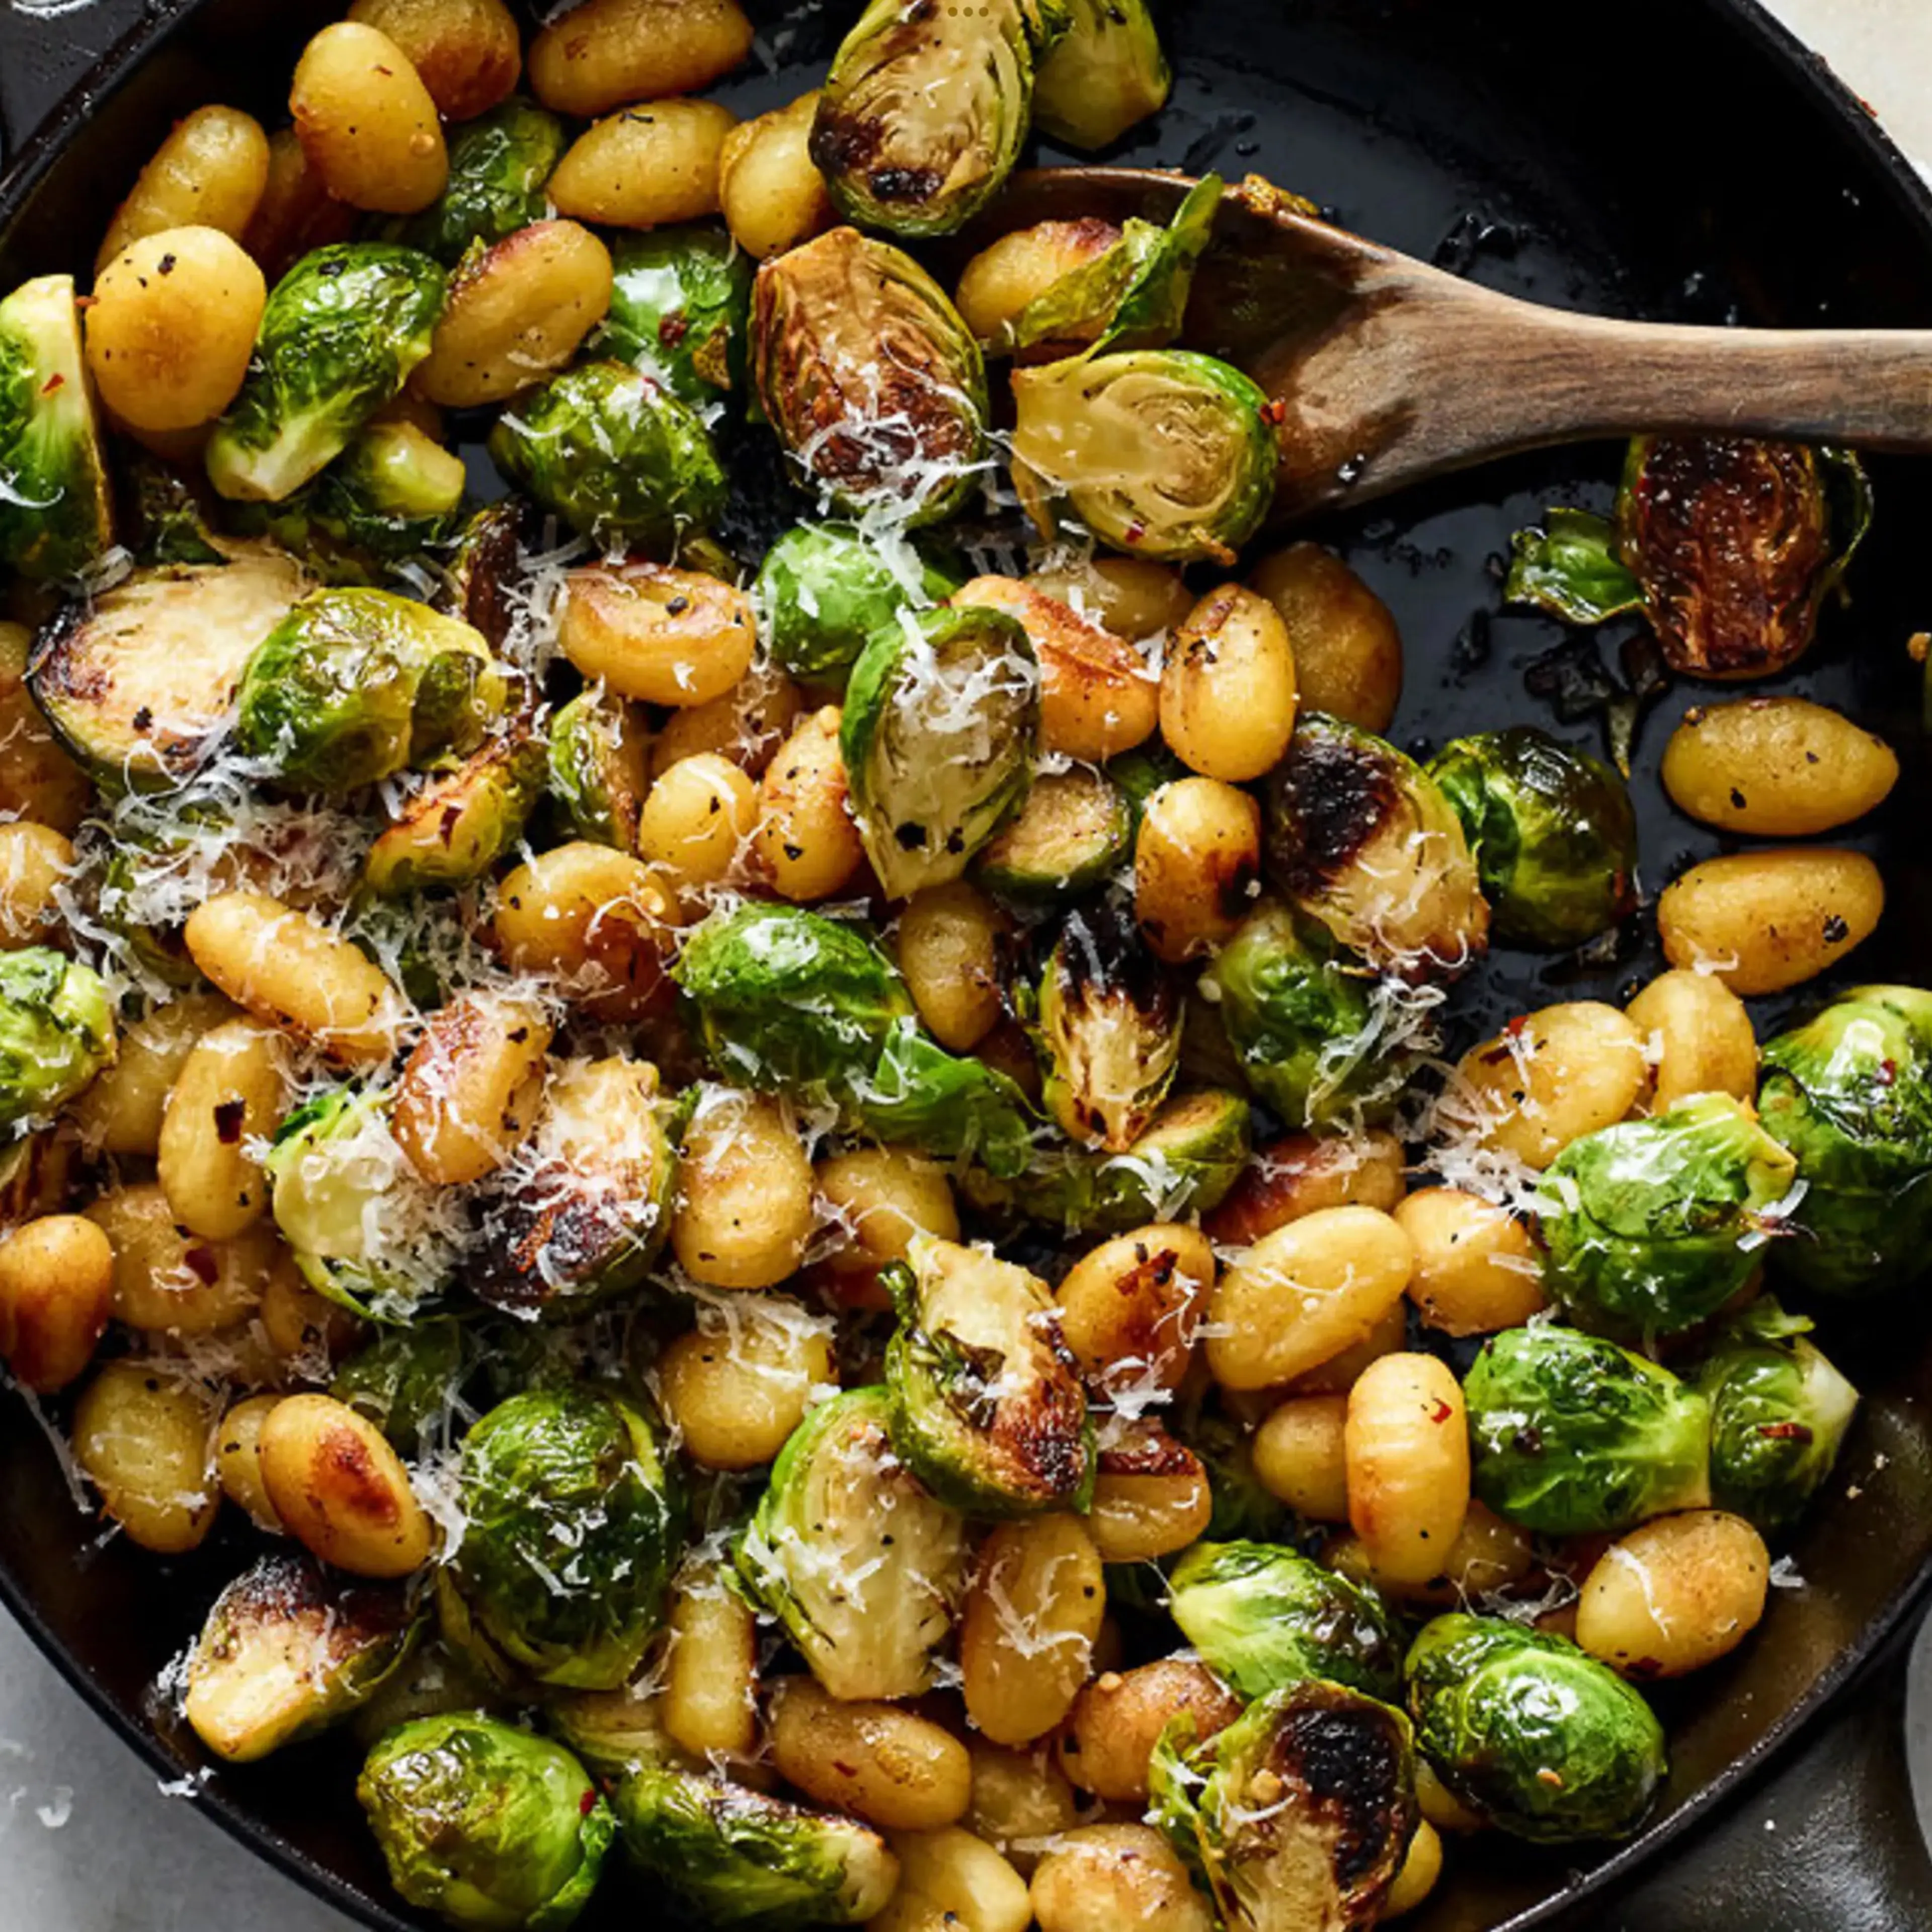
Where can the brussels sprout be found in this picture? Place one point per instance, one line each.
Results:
(987, 1408)
(457, 826)
(1532, 1735)
(925, 112)
(56, 1031)
(1553, 832)
(1570, 1435)
(1653, 1225)
(1159, 452)
(395, 492)
(139, 682)
(288, 1649)
(789, 1001)
(366, 1229)
(406, 1380)
(1363, 842)
(499, 164)
(1074, 831)
(1133, 295)
(680, 309)
(1850, 1093)
(585, 1211)
(598, 772)
(485, 1824)
(736, 1857)
(1262, 1617)
(939, 728)
(872, 380)
(56, 516)
(1298, 1814)
(1107, 1019)
(574, 1517)
(614, 453)
(486, 580)
(340, 334)
(614, 1732)
(353, 686)
(1779, 1412)
(163, 520)
(855, 1558)
(826, 590)
(1106, 73)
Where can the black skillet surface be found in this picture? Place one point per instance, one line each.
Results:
(1675, 158)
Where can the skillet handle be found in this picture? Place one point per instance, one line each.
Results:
(42, 57)
(1831, 1841)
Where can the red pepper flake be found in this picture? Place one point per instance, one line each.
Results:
(1888, 1072)
(1785, 1432)
(56, 381)
(587, 1803)
(1274, 412)
(673, 328)
(1135, 532)
(1441, 1413)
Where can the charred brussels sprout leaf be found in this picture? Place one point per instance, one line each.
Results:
(740, 1858)
(574, 1519)
(403, 1379)
(55, 515)
(1779, 1412)
(1107, 1019)
(499, 164)
(855, 1558)
(289, 1648)
(1570, 568)
(56, 1031)
(457, 826)
(826, 591)
(940, 729)
(340, 334)
(1297, 1815)
(1159, 452)
(1572, 1435)
(872, 382)
(1105, 73)
(987, 1409)
(1363, 842)
(486, 1825)
(1653, 1224)
(680, 310)
(1263, 1617)
(1541, 1740)
(598, 773)
(925, 112)
(1850, 1093)
(353, 686)
(1552, 830)
(614, 453)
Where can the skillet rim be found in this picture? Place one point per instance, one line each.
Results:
(1749, 20)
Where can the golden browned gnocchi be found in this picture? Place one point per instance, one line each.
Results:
(1348, 652)
(1776, 767)
(1196, 857)
(144, 1434)
(769, 189)
(1763, 922)
(605, 53)
(646, 166)
(1674, 1595)
(339, 1488)
(211, 171)
(367, 122)
(1697, 1038)
(1476, 1266)
(1227, 687)
(664, 635)
(804, 841)
(468, 52)
(879, 1762)
(56, 1294)
(744, 1206)
(1044, 1577)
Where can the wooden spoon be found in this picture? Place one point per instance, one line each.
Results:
(1388, 371)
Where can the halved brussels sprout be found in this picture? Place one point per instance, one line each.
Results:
(456, 827)
(353, 686)
(1107, 1019)
(741, 1858)
(1779, 1412)
(1540, 1740)
(575, 1520)
(1553, 832)
(1653, 1224)
(1159, 452)
(1569, 567)
(288, 1649)
(1298, 1814)
(1074, 831)
(615, 454)
(987, 1407)
(341, 332)
(826, 590)
(1850, 1093)
(872, 380)
(680, 310)
(788, 1001)
(925, 112)
(614, 1733)
(598, 772)
(366, 1229)
(939, 732)
(1106, 73)
(56, 1031)
(1572, 1435)
(406, 1380)
(395, 493)
(585, 1211)
(486, 579)
(163, 520)
(485, 1825)
(1262, 1616)
(499, 165)
(1363, 840)
(139, 682)
(853, 1556)
(56, 516)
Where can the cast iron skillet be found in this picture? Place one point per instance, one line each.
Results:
(1676, 158)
